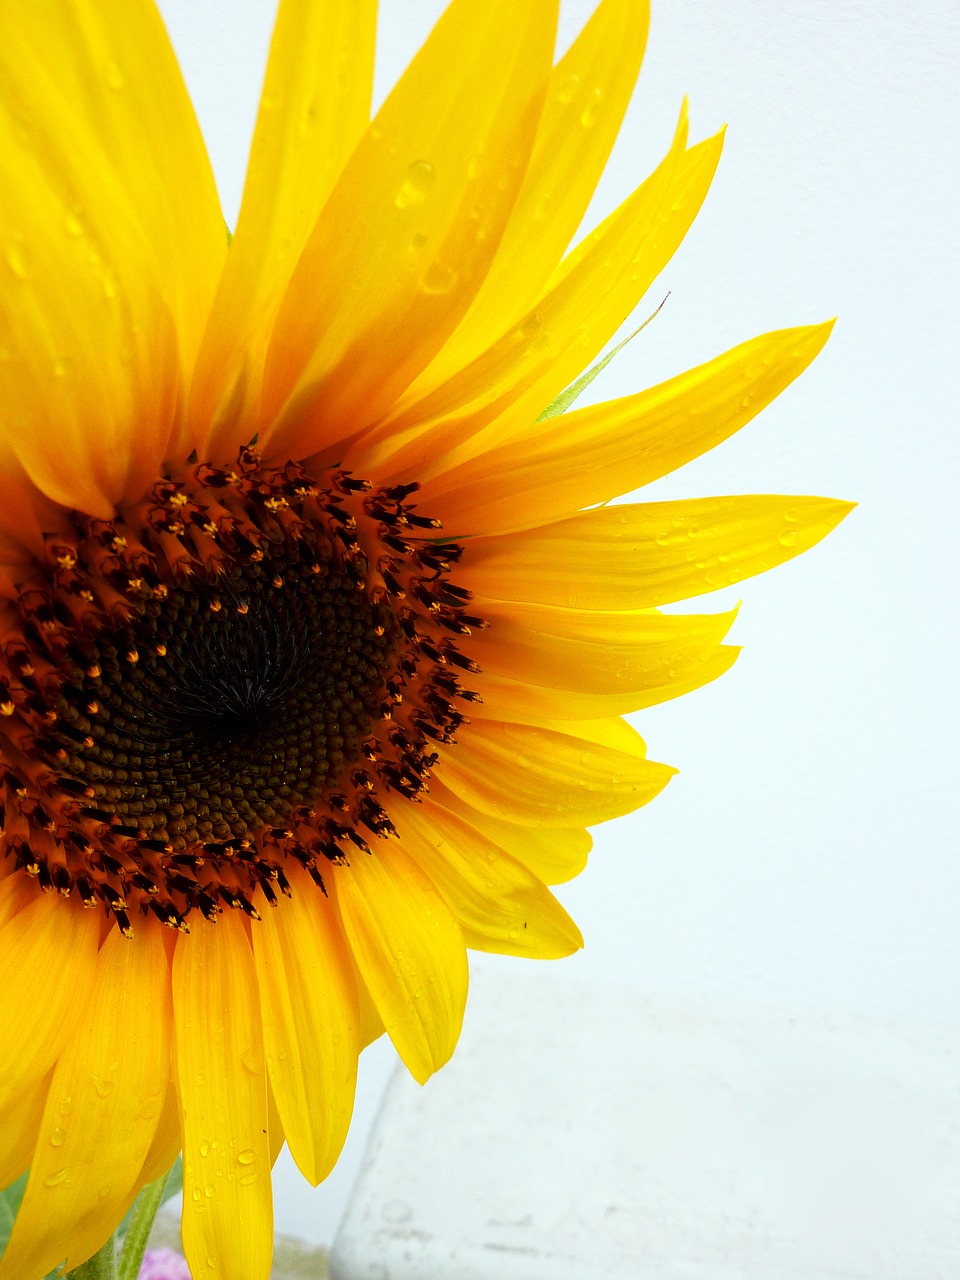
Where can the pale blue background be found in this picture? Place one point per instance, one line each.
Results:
(808, 852)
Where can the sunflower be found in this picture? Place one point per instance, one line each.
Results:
(316, 631)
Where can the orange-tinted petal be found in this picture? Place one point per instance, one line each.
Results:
(48, 955)
(314, 108)
(411, 227)
(101, 1112)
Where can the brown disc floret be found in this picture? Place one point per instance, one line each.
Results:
(236, 671)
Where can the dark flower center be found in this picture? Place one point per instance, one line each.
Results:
(234, 673)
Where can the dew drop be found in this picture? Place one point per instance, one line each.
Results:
(418, 180)
(568, 90)
(66, 1106)
(789, 539)
(55, 1179)
(212, 1261)
(589, 114)
(246, 1179)
(246, 1157)
(204, 1148)
(57, 1138)
(195, 1194)
(438, 278)
(102, 1087)
(209, 1191)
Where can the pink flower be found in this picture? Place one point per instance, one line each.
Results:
(163, 1264)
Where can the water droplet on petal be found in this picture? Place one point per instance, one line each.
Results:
(419, 178)
(204, 1148)
(246, 1157)
(438, 278)
(789, 539)
(589, 114)
(209, 1190)
(55, 1179)
(102, 1087)
(246, 1179)
(568, 90)
(57, 1138)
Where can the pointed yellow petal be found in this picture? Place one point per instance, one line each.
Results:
(410, 953)
(102, 1110)
(592, 455)
(314, 108)
(411, 227)
(507, 387)
(311, 1023)
(586, 98)
(20, 1124)
(554, 855)
(505, 699)
(228, 1205)
(116, 86)
(166, 1141)
(635, 556)
(90, 374)
(592, 651)
(48, 954)
(537, 777)
(497, 901)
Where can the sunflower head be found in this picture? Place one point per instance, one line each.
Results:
(316, 628)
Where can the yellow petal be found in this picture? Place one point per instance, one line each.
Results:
(411, 227)
(497, 901)
(409, 950)
(116, 85)
(90, 372)
(507, 387)
(48, 955)
(274, 1125)
(505, 699)
(102, 1110)
(20, 1124)
(592, 455)
(639, 555)
(228, 1205)
(538, 777)
(586, 98)
(314, 107)
(554, 855)
(593, 651)
(166, 1141)
(311, 1024)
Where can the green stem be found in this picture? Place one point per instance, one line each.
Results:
(138, 1228)
(102, 1266)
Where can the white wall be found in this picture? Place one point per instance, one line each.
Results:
(807, 854)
